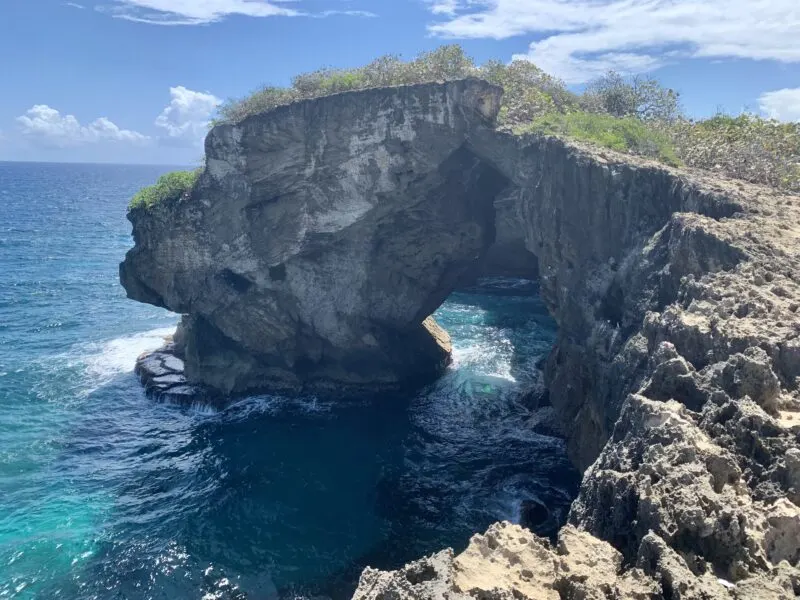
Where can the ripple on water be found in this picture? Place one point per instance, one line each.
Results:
(276, 493)
(108, 495)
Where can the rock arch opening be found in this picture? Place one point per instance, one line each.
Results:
(322, 234)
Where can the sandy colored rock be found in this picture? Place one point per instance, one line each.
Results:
(506, 561)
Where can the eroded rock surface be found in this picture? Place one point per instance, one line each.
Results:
(162, 374)
(511, 563)
(322, 235)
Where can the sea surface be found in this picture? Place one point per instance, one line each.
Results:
(107, 494)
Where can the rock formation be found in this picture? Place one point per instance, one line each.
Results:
(511, 563)
(322, 235)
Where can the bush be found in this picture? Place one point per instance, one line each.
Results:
(443, 64)
(529, 92)
(641, 97)
(626, 134)
(744, 147)
(636, 115)
(168, 187)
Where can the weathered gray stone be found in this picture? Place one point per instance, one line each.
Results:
(322, 235)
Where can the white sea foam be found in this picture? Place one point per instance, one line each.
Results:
(487, 357)
(251, 406)
(100, 362)
(107, 359)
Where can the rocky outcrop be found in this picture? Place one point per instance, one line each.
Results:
(162, 374)
(511, 563)
(322, 235)
(689, 366)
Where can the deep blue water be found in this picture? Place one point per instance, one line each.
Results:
(106, 494)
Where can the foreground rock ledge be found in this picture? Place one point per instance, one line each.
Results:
(510, 563)
(323, 234)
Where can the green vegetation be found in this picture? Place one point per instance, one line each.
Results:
(744, 147)
(623, 134)
(635, 115)
(168, 187)
(529, 92)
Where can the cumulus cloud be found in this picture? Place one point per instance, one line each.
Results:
(49, 126)
(580, 39)
(783, 105)
(194, 12)
(185, 121)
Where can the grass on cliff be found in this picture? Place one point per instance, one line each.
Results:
(626, 134)
(168, 187)
(636, 115)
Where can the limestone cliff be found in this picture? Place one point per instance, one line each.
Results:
(320, 238)
(322, 235)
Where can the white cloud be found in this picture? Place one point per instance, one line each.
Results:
(75, 5)
(50, 127)
(783, 105)
(581, 39)
(198, 12)
(347, 13)
(443, 7)
(185, 121)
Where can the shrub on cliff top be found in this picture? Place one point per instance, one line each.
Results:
(625, 134)
(168, 187)
(744, 147)
(630, 114)
(640, 97)
(529, 92)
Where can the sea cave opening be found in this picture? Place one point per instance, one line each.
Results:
(481, 443)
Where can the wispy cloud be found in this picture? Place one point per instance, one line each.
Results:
(49, 127)
(347, 13)
(200, 12)
(74, 5)
(783, 105)
(580, 39)
(185, 121)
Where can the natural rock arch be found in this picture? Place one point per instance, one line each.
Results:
(322, 234)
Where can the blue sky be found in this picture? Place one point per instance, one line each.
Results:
(138, 80)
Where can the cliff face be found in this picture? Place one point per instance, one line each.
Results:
(322, 235)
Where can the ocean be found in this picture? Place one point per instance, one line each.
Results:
(105, 493)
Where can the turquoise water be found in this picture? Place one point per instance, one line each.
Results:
(106, 494)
